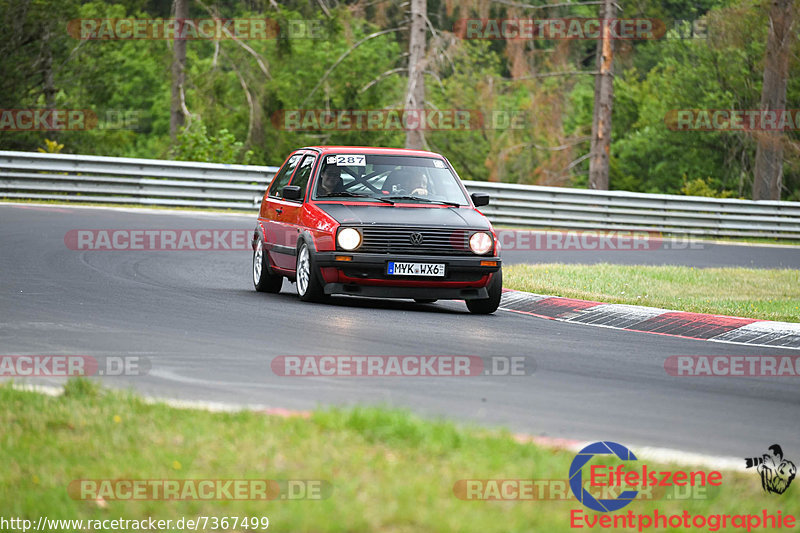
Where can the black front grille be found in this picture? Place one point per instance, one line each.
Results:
(406, 240)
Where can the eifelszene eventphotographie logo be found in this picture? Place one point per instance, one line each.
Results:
(776, 472)
(630, 474)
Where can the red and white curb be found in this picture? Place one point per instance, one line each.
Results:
(699, 326)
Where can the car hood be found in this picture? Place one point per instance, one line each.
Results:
(381, 215)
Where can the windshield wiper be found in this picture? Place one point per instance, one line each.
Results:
(427, 200)
(354, 195)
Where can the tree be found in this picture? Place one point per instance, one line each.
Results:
(768, 177)
(177, 117)
(603, 102)
(415, 92)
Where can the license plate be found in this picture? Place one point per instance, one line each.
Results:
(415, 269)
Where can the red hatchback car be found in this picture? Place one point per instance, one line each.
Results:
(379, 222)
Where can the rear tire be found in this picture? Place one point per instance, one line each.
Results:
(425, 300)
(264, 279)
(309, 286)
(486, 306)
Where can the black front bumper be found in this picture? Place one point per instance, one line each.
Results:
(425, 293)
(374, 267)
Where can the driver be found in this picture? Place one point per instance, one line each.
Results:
(331, 181)
(419, 184)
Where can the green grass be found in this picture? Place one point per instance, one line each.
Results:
(390, 471)
(745, 292)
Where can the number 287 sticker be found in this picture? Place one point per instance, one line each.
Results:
(346, 160)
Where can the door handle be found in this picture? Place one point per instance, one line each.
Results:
(279, 210)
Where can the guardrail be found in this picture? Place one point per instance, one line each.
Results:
(30, 175)
(131, 181)
(558, 207)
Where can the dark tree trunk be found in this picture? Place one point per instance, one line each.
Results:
(603, 103)
(177, 118)
(415, 93)
(48, 75)
(768, 177)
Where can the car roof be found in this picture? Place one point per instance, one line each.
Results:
(371, 150)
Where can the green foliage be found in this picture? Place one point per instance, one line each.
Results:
(195, 144)
(703, 187)
(236, 92)
(723, 71)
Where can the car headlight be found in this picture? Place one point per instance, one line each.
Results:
(349, 239)
(480, 243)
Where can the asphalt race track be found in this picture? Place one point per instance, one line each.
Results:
(210, 336)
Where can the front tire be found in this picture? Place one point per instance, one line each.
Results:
(486, 306)
(264, 279)
(309, 287)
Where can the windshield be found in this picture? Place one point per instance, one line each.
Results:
(388, 178)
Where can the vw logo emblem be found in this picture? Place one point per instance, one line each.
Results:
(416, 239)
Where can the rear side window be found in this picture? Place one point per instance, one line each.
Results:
(282, 179)
(303, 173)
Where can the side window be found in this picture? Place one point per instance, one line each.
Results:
(303, 173)
(282, 179)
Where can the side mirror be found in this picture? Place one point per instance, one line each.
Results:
(292, 192)
(479, 198)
